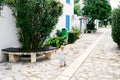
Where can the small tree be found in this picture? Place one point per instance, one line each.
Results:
(77, 9)
(35, 20)
(96, 9)
(1, 2)
(116, 25)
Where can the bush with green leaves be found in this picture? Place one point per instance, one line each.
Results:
(100, 24)
(58, 33)
(77, 9)
(72, 37)
(1, 2)
(116, 25)
(55, 41)
(10, 2)
(91, 26)
(35, 20)
(61, 33)
(76, 29)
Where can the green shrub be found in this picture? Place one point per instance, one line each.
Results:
(72, 37)
(77, 9)
(55, 42)
(61, 33)
(9, 1)
(91, 26)
(116, 25)
(76, 29)
(35, 20)
(100, 24)
(58, 33)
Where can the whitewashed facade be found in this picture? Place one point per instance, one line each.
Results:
(8, 30)
(65, 21)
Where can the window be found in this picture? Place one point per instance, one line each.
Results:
(67, 22)
(68, 1)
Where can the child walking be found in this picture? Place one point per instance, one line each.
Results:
(62, 56)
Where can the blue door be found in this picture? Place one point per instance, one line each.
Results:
(80, 25)
(80, 22)
(68, 1)
(67, 22)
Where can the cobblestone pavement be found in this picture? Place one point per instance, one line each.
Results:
(103, 63)
(45, 69)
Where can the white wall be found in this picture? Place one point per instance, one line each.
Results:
(8, 31)
(68, 9)
(96, 23)
(75, 21)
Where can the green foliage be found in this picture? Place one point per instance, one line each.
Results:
(72, 37)
(10, 2)
(97, 9)
(91, 26)
(77, 9)
(76, 1)
(55, 41)
(100, 24)
(76, 29)
(1, 2)
(1, 5)
(116, 25)
(35, 20)
(59, 33)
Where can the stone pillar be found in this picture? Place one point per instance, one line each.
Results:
(33, 57)
(3, 57)
(13, 57)
(48, 55)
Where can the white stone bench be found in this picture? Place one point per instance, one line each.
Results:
(14, 56)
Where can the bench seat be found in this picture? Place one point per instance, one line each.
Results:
(14, 56)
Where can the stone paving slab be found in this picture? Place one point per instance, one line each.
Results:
(71, 69)
(103, 63)
(45, 69)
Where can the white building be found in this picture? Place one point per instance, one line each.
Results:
(65, 21)
(80, 21)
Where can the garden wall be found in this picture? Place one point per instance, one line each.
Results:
(8, 31)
